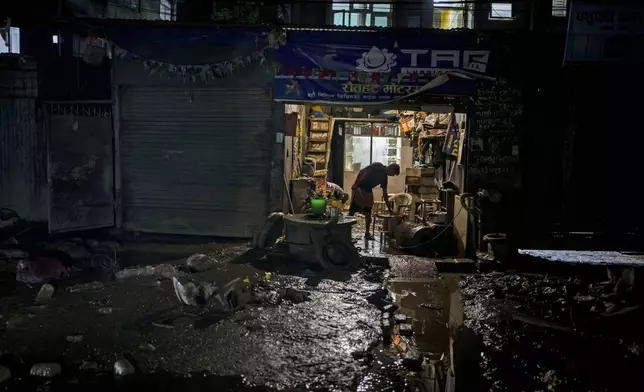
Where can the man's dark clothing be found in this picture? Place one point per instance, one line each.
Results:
(369, 178)
(372, 176)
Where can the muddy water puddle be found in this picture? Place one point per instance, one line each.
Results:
(424, 328)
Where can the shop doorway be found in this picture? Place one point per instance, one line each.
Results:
(335, 142)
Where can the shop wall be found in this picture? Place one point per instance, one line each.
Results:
(63, 73)
(520, 119)
(23, 145)
(603, 155)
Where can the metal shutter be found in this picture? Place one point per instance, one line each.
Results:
(195, 161)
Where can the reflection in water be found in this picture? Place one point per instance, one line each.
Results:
(433, 310)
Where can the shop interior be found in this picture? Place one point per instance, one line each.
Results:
(332, 143)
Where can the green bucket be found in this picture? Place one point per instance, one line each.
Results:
(318, 206)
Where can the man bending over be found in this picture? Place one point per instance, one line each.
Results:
(362, 190)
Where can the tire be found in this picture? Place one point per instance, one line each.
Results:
(338, 255)
(271, 230)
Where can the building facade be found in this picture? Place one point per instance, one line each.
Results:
(170, 100)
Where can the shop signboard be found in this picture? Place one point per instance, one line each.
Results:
(378, 67)
(601, 33)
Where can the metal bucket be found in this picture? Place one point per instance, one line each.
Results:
(497, 246)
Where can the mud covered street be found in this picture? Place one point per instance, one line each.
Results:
(535, 332)
(395, 324)
(291, 345)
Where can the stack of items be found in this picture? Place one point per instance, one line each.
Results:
(319, 144)
(420, 183)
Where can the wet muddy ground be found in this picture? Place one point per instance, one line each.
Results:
(310, 344)
(535, 332)
(480, 332)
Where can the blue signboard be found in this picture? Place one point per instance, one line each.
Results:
(377, 67)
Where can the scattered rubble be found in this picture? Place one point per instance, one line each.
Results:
(13, 254)
(165, 271)
(88, 365)
(200, 262)
(550, 379)
(147, 347)
(93, 286)
(296, 296)
(162, 325)
(123, 367)
(105, 310)
(46, 369)
(75, 338)
(45, 293)
(40, 270)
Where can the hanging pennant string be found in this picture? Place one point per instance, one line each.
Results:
(209, 72)
(202, 72)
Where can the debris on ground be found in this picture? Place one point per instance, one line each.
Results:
(75, 338)
(207, 294)
(5, 374)
(200, 262)
(165, 271)
(46, 369)
(549, 378)
(186, 293)
(88, 365)
(542, 320)
(93, 286)
(17, 320)
(123, 367)
(147, 347)
(40, 270)
(296, 296)
(105, 310)
(13, 254)
(162, 325)
(45, 293)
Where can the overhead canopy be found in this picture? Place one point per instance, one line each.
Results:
(379, 66)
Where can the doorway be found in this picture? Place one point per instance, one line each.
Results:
(337, 141)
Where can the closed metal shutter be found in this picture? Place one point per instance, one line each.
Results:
(195, 161)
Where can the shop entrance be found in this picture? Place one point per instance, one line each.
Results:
(335, 142)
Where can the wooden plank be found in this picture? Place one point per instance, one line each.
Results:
(460, 227)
